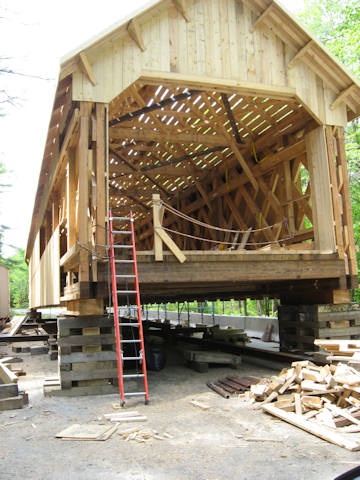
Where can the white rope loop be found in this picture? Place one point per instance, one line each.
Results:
(226, 230)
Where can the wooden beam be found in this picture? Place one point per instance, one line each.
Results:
(157, 221)
(347, 215)
(166, 170)
(155, 106)
(232, 144)
(163, 137)
(231, 118)
(342, 97)
(262, 18)
(180, 6)
(301, 53)
(83, 201)
(323, 219)
(221, 85)
(170, 244)
(134, 31)
(86, 67)
(71, 199)
(238, 180)
(101, 157)
(137, 169)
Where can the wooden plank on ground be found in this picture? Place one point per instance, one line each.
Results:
(313, 428)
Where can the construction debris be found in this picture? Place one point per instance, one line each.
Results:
(347, 351)
(87, 432)
(203, 406)
(142, 436)
(319, 400)
(125, 417)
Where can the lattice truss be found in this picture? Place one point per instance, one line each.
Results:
(237, 162)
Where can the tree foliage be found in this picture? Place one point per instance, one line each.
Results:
(19, 283)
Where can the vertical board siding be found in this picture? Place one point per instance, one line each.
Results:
(44, 273)
(218, 42)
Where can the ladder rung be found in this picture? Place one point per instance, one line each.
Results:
(124, 292)
(125, 276)
(119, 218)
(122, 232)
(124, 261)
(130, 341)
(123, 246)
(128, 325)
(132, 358)
(134, 375)
(134, 394)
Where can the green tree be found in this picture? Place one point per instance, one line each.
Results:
(19, 279)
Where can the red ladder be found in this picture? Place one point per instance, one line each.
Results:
(135, 326)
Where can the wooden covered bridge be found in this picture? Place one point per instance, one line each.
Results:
(220, 124)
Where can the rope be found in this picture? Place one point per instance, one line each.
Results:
(226, 243)
(94, 253)
(202, 224)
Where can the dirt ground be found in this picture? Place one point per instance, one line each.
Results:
(204, 444)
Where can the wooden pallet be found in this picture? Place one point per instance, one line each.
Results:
(86, 353)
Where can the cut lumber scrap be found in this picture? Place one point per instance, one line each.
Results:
(203, 406)
(269, 399)
(342, 422)
(85, 432)
(118, 419)
(298, 406)
(313, 428)
(343, 413)
(6, 375)
(130, 413)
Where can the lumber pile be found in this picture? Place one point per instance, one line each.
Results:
(346, 351)
(236, 337)
(321, 400)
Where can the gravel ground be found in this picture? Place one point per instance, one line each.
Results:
(204, 444)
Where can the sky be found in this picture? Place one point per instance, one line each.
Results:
(34, 35)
